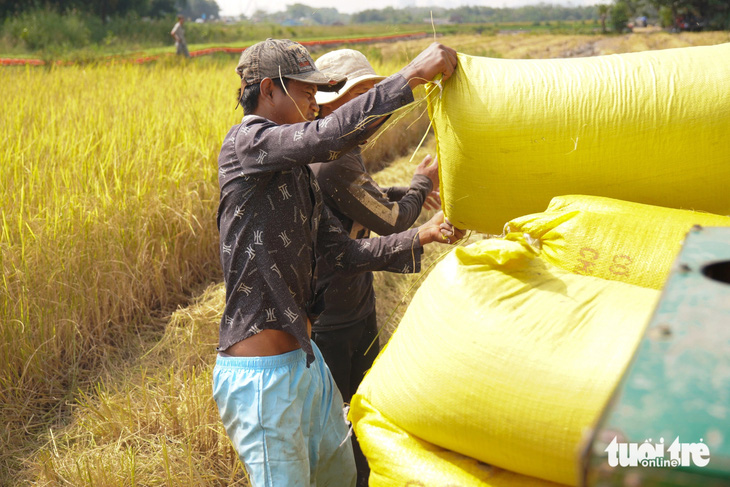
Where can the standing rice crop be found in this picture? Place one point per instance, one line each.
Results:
(107, 220)
(107, 215)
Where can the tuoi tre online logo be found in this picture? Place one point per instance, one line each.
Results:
(650, 454)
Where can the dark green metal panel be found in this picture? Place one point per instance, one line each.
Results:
(678, 384)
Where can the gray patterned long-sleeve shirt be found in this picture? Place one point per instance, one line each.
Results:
(360, 205)
(273, 222)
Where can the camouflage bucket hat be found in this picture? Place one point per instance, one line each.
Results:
(281, 57)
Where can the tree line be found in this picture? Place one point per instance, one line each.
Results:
(105, 9)
(301, 13)
(680, 14)
(713, 14)
(618, 14)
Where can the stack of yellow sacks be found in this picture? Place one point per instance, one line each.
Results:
(512, 346)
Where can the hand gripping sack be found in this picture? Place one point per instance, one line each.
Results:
(650, 127)
(506, 359)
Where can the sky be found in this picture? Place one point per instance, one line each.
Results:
(248, 7)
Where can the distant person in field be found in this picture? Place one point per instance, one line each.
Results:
(178, 33)
(346, 330)
(275, 394)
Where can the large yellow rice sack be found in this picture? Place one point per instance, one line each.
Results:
(507, 359)
(650, 127)
(612, 239)
(399, 459)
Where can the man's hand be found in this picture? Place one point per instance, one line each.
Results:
(429, 167)
(450, 233)
(435, 59)
(439, 229)
(433, 201)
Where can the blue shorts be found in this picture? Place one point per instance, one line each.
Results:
(285, 420)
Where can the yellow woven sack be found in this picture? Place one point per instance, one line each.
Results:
(611, 239)
(504, 358)
(650, 127)
(398, 459)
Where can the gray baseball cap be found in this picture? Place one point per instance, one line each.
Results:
(281, 57)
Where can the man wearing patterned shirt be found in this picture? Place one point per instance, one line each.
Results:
(346, 331)
(275, 395)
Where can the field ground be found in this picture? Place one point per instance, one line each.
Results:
(111, 295)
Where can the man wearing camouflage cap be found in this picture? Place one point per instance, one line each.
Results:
(276, 396)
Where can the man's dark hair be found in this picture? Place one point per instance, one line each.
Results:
(249, 99)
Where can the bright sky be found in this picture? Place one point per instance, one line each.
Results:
(248, 7)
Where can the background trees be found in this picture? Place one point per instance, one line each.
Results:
(713, 14)
(103, 9)
(620, 15)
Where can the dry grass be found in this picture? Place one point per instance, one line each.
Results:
(402, 132)
(153, 422)
(546, 46)
(108, 219)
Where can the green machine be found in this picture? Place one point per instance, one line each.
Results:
(668, 422)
